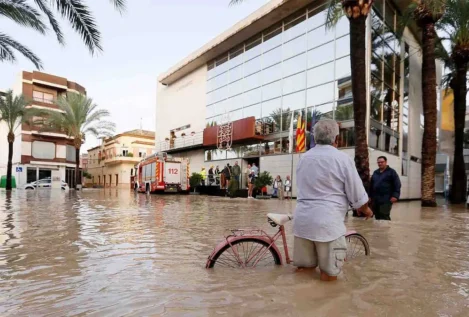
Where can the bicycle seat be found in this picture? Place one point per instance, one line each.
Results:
(279, 219)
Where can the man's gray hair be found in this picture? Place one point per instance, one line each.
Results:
(325, 131)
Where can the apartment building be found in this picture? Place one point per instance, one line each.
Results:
(112, 163)
(37, 154)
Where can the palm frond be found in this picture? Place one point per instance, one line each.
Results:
(119, 5)
(406, 18)
(13, 110)
(79, 116)
(6, 54)
(52, 21)
(334, 13)
(235, 2)
(23, 14)
(82, 21)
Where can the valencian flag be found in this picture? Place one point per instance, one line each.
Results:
(300, 135)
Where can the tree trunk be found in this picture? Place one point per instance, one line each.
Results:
(458, 188)
(358, 63)
(430, 115)
(10, 160)
(77, 168)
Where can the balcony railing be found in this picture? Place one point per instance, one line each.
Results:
(44, 100)
(181, 142)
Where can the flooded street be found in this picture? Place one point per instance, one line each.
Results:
(115, 253)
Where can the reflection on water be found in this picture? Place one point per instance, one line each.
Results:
(118, 253)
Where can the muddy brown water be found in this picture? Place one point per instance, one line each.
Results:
(116, 253)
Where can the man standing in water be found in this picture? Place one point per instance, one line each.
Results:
(327, 182)
(385, 189)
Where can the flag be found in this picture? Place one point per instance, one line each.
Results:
(290, 135)
(313, 122)
(300, 135)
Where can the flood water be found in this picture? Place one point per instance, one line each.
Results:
(116, 253)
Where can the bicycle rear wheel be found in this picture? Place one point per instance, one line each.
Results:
(357, 246)
(251, 253)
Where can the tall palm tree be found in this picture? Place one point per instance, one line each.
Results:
(426, 14)
(14, 111)
(78, 116)
(455, 23)
(357, 12)
(75, 11)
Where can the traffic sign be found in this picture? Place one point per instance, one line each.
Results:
(19, 169)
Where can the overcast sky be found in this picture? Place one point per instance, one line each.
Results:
(150, 37)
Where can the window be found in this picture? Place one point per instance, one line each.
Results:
(294, 101)
(321, 74)
(70, 156)
(321, 55)
(272, 57)
(125, 152)
(294, 47)
(272, 90)
(43, 150)
(294, 65)
(43, 97)
(294, 83)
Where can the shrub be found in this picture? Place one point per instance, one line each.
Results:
(195, 180)
(264, 179)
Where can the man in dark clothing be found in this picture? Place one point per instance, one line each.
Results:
(385, 189)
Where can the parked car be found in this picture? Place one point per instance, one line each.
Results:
(44, 183)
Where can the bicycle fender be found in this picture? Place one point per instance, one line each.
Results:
(229, 240)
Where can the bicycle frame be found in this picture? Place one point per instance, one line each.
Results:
(254, 234)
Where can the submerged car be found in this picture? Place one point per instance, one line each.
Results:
(45, 183)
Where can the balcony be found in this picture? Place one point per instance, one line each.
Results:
(121, 158)
(184, 142)
(44, 100)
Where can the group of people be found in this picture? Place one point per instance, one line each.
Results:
(282, 188)
(221, 178)
(327, 183)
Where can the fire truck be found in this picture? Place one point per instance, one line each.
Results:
(162, 173)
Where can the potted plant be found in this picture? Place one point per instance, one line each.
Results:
(195, 181)
(263, 180)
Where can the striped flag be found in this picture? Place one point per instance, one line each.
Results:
(300, 135)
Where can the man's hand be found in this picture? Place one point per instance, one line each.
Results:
(393, 200)
(365, 211)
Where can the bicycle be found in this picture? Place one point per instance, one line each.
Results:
(254, 247)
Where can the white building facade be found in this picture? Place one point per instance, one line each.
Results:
(281, 62)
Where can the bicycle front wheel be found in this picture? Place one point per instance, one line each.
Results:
(247, 252)
(357, 246)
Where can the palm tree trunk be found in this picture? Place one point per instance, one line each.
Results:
(458, 188)
(430, 115)
(358, 63)
(10, 163)
(77, 168)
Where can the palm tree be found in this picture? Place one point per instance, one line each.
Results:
(14, 112)
(357, 12)
(75, 11)
(426, 14)
(77, 117)
(455, 23)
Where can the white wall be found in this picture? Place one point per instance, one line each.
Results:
(181, 103)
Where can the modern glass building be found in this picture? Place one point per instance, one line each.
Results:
(282, 62)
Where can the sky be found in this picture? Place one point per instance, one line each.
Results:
(143, 42)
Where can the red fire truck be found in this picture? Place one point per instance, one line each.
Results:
(162, 173)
